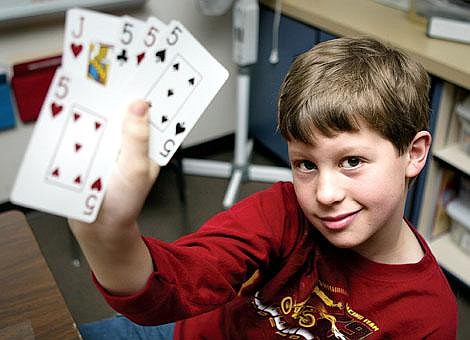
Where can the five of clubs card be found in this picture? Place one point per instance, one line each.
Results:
(107, 62)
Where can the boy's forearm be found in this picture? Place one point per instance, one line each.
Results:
(112, 244)
(119, 258)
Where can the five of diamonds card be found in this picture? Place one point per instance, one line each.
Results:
(107, 62)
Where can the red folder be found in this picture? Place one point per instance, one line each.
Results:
(30, 83)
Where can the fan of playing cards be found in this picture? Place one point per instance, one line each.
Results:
(107, 62)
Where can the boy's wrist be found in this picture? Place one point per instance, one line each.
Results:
(109, 235)
(117, 255)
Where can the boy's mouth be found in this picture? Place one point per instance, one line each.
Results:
(339, 222)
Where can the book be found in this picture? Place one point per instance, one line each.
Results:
(447, 192)
(449, 29)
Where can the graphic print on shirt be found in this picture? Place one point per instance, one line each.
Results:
(317, 317)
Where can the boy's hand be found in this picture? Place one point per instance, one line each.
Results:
(134, 173)
(112, 244)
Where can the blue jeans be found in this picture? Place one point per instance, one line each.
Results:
(121, 328)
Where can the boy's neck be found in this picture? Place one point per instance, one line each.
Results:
(395, 246)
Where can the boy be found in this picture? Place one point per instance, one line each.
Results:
(329, 256)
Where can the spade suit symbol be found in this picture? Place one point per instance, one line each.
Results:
(161, 55)
(170, 93)
(176, 66)
(191, 81)
(179, 128)
(164, 119)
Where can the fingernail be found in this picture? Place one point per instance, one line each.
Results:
(138, 109)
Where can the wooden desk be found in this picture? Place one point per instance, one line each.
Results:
(445, 59)
(31, 305)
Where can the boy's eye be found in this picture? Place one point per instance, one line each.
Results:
(351, 162)
(306, 165)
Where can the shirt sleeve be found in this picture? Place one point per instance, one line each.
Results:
(204, 270)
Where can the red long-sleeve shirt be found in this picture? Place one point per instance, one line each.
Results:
(261, 271)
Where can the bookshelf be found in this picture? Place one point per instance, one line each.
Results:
(454, 156)
(445, 152)
(451, 257)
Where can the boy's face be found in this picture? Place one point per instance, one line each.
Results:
(351, 187)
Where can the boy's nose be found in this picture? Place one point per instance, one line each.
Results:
(329, 189)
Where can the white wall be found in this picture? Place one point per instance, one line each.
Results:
(40, 40)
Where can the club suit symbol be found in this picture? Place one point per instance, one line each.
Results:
(122, 57)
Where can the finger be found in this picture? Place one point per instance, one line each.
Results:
(135, 131)
(134, 166)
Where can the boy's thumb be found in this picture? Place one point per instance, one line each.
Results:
(135, 132)
(139, 108)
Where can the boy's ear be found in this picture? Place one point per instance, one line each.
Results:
(417, 153)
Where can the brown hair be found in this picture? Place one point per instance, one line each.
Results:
(342, 82)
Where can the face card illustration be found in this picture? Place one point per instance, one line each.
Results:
(71, 152)
(89, 47)
(180, 78)
(98, 63)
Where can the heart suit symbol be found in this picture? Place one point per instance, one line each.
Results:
(76, 49)
(56, 109)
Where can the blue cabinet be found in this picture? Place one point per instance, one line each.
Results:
(7, 115)
(294, 38)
